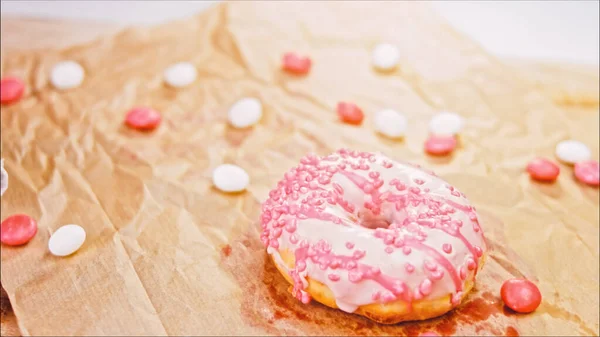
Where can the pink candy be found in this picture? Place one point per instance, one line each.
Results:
(588, 172)
(17, 230)
(11, 90)
(542, 169)
(142, 118)
(440, 145)
(350, 113)
(521, 295)
(295, 64)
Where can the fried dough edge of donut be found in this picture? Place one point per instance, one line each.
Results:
(384, 313)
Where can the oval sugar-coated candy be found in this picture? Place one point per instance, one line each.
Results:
(245, 113)
(67, 75)
(230, 178)
(11, 90)
(385, 57)
(3, 178)
(521, 295)
(180, 74)
(17, 230)
(296, 64)
(542, 169)
(588, 172)
(390, 123)
(66, 240)
(350, 113)
(143, 118)
(440, 145)
(446, 124)
(572, 151)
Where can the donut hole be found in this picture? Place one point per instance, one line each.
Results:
(367, 219)
(387, 216)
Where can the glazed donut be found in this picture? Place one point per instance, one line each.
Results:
(362, 233)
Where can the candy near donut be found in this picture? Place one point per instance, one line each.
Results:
(360, 232)
(521, 295)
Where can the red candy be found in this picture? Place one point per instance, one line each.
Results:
(428, 334)
(440, 145)
(588, 172)
(350, 113)
(521, 295)
(295, 64)
(143, 118)
(11, 90)
(17, 230)
(542, 169)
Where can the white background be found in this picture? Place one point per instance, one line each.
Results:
(546, 30)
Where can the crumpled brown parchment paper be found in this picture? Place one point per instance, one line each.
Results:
(168, 254)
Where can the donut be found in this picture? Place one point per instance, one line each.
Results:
(365, 234)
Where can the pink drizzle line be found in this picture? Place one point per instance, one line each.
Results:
(444, 262)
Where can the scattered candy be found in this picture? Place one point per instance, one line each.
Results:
(245, 112)
(11, 90)
(521, 295)
(385, 57)
(295, 64)
(350, 113)
(429, 334)
(588, 172)
(3, 178)
(440, 145)
(230, 178)
(572, 151)
(180, 75)
(542, 169)
(17, 230)
(66, 240)
(390, 123)
(143, 118)
(67, 75)
(446, 124)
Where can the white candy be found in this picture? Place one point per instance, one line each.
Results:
(67, 75)
(572, 151)
(3, 178)
(245, 112)
(180, 74)
(446, 124)
(66, 240)
(390, 123)
(230, 178)
(385, 56)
